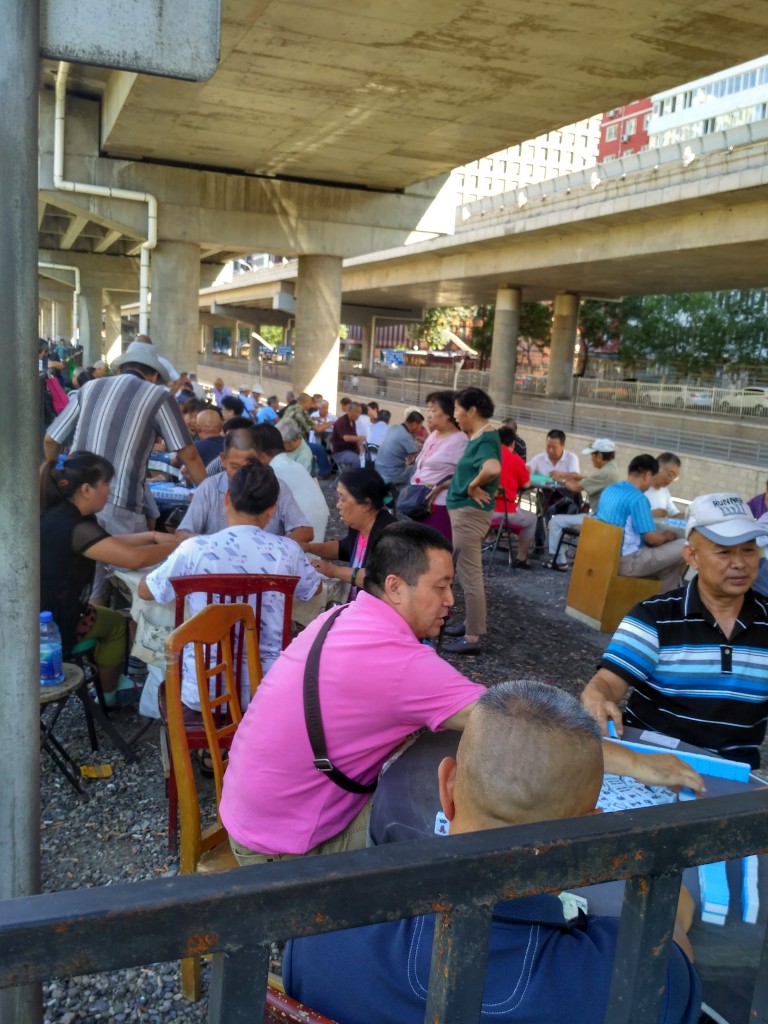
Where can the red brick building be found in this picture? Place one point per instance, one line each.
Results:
(624, 130)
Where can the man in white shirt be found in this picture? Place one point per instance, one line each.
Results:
(658, 494)
(304, 487)
(556, 458)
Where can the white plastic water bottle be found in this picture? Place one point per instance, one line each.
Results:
(51, 670)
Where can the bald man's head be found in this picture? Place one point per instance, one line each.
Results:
(529, 752)
(208, 423)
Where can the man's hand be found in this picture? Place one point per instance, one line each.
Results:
(651, 769)
(601, 698)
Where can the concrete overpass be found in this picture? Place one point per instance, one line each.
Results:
(686, 218)
(327, 129)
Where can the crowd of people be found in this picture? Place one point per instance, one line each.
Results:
(528, 752)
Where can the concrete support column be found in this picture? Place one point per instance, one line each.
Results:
(366, 356)
(20, 428)
(506, 330)
(113, 331)
(62, 321)
(175, 320)
(45, 319)
(318, 313)
(90, 320)
(564, 323)
(207, 343)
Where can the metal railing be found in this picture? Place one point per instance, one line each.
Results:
(235, 916)
(583, 415)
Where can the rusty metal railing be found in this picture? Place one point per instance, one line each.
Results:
(236, 915)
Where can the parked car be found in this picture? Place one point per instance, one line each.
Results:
(676, 396)
(745, 402)
(601, 391)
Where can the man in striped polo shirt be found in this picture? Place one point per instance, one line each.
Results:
(697, 657)
(119, 419)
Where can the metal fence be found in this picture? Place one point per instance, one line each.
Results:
(236, 915)
(588, 414)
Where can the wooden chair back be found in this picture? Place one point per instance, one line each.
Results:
(597, 595)
(209, 629)
(232, 588)
(224, 588)
(205, 849)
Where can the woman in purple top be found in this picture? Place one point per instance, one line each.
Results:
(438, 458)
(759, 504)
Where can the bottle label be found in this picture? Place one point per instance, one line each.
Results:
(51, 673)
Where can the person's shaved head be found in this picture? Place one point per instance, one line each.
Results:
(529, 752)
(208, 423)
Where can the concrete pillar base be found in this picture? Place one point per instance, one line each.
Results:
(318, 313)
(175, 319)
(113, 332)
(562, 346)
(90, 322)
(506, 329)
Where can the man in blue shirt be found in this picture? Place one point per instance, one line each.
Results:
(268, 413)
(528, 753)
(645, 550)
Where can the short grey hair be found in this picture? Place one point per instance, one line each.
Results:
(539, 704)
(289, 429)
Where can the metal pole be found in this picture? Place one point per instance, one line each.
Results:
(19, 510)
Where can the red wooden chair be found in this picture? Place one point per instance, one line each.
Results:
(222, 588)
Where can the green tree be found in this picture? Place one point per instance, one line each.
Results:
(695, 332)
(428, 333)
(597, 327)
(482, 334)
(535, 331)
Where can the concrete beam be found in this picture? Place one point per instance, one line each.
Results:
(108, 240)
(76, 227)
(103, 271)
(224, 211)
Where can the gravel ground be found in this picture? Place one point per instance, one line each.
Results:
(120, 834)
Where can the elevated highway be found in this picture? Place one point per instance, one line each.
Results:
(327, 130)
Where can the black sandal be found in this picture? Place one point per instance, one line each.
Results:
(205, 761)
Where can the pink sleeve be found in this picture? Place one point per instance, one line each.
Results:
(431, 690)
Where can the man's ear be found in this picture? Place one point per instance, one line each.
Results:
(446, 780)
(689, 555)
(393, 588)
(227, 499)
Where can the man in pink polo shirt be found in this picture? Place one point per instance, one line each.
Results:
(377, 684)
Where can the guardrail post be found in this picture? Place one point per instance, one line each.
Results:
(642, 950)
(238, 988)
(459, 958)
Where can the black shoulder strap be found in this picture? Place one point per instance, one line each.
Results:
(314, 719)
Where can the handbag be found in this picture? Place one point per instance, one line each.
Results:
(314, 718)
(412, 501)
(59, 399)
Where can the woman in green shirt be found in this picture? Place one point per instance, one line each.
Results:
(470, 506)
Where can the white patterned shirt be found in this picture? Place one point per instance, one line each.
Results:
(237, 549)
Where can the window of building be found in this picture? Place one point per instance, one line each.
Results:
(630, 126)
(608, 157)
(611, 132)
(687, 99)
(628, 151)
(646, 122)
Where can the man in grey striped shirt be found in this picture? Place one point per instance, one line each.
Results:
(119, 419)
